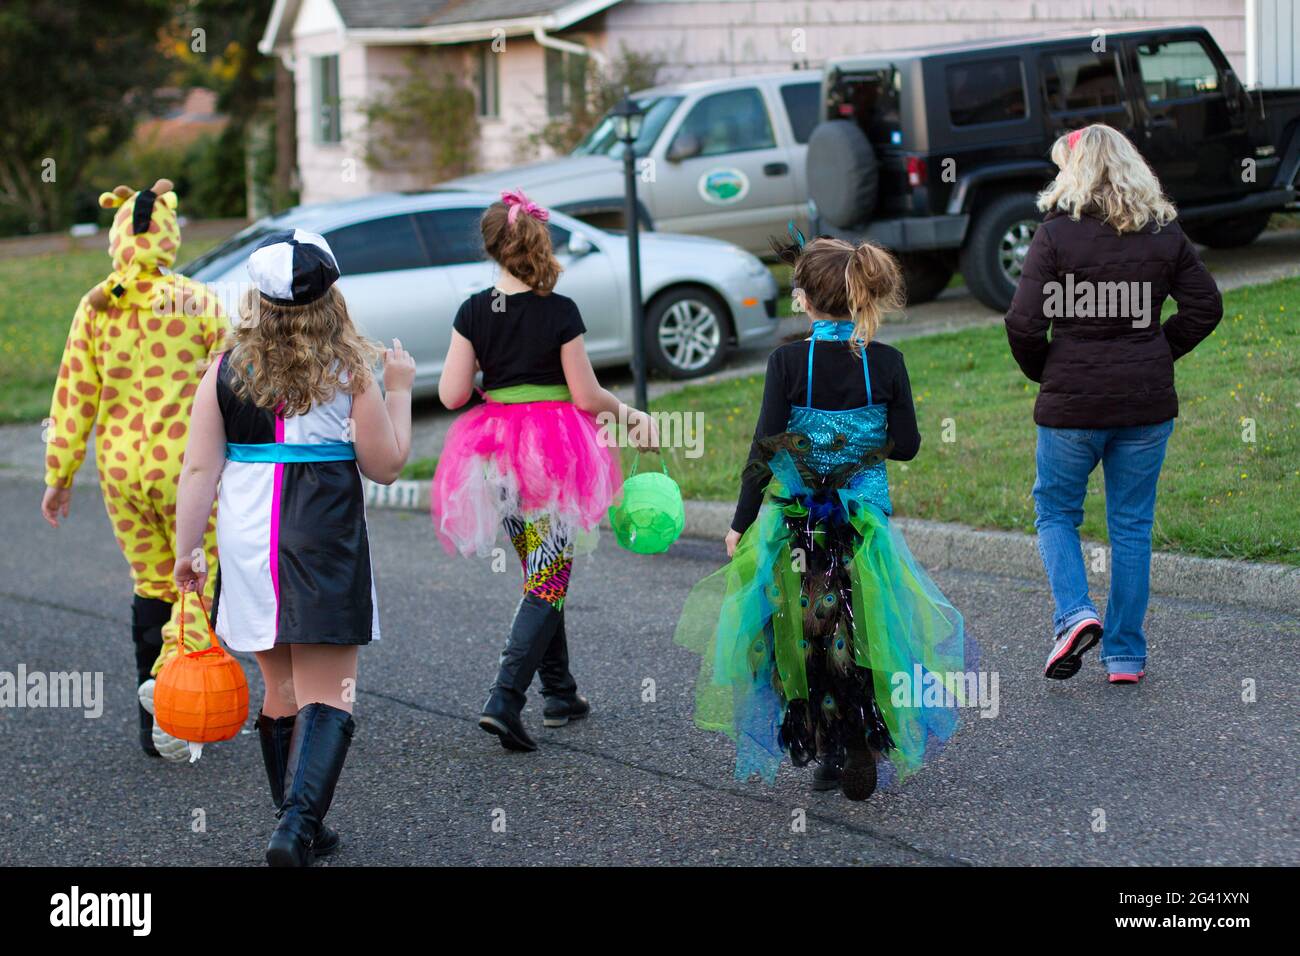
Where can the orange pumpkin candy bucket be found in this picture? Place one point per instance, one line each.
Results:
(201, 696)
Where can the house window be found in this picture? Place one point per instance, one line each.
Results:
(566, 75)
(325, 95)
(487, 81)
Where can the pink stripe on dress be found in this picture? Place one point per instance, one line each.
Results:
(275, 520)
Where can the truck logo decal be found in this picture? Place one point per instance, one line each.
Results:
(722, 187)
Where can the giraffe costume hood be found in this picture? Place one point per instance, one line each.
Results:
(138, 346)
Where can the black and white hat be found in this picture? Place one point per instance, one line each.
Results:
(292, 267)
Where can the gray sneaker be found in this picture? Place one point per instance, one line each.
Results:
(1067, 653)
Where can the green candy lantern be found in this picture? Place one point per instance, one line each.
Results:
(651, 515)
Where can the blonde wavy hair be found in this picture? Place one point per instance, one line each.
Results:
(1105, 175)
(863, 282)
(287, 358)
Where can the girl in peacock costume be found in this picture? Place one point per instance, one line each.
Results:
(823, 638)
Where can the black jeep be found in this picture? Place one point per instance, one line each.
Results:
(938, 153)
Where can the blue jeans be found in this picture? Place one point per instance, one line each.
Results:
(1131, 460)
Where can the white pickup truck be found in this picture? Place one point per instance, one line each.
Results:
(722, 158)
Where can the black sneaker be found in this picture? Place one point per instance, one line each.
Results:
(1067, 653)
(559, 711)
(859, 779)
(827, 773)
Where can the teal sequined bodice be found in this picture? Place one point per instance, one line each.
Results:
(841, 437)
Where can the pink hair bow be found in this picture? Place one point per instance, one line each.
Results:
(1073, 139)
(515, 200)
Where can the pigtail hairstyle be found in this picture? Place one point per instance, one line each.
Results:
(516, 236)
(842, 281)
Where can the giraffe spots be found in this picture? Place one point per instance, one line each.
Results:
(117, 411)
(124, 357)
(116, 430)
(153, 371)
(52, 461)
(137, 423)
(60, 442)
(142, 534)
(155, 474)
(106, 444)
(108, 393)
(85, 388)
(87, 410)
(154, 394)
(71, 424)
(120, 457)
(119, 372)
(154, 324)
(159, 453)
(127, 255)
(175, 327)
(126, 524)
(166, 245)
(143, 286)
(142, 242)
(139, 567)
(61, 395)
(180, 375)
(154, 228)
(175, 431)
(117, 474)
(189, 390)
(185, 355)
(74, 363)
(142, 548)
(158, 350)
(165, 567)
(170, 409)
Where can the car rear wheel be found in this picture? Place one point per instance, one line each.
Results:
(994, 254)
(686, 332)
(925, 274)
(1229, 233)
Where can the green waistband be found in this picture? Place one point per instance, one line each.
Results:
(516, 394)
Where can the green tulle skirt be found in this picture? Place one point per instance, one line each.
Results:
(824, 633)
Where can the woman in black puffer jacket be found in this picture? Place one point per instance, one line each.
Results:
(1097, 273)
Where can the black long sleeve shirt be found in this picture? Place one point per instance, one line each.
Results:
(837, 386)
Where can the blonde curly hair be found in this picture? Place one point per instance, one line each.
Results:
(1104, 174)
(287, 358)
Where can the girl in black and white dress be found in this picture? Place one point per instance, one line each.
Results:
(287, 422)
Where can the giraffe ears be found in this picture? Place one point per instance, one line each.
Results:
(119, 195)
(164, 189)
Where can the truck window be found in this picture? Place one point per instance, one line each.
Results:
(602, 141)
(986, 91)
(1081, 80)
(734, 121)
(802, 104)
(1176, 70)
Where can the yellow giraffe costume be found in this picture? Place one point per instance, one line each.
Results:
(138, 347)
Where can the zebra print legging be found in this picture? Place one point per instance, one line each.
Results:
(546, 555)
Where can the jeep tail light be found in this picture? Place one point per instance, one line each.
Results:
(915, 171)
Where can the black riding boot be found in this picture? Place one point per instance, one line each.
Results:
(563, 702)
(276, 734)
(148, 615)
(317, 749)
(535, 624)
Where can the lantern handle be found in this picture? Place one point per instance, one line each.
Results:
(180, 636)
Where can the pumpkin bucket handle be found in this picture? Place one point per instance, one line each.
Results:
(180, 635)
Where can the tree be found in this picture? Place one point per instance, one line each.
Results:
(597, 90)
(76, 76)
(424, 120)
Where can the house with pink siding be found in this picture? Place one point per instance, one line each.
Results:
(519, 56)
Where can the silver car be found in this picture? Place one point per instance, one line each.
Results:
(409, 260)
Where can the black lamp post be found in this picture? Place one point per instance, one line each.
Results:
(627, 125)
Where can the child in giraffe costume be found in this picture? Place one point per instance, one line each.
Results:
(139, 343)
(529, 459)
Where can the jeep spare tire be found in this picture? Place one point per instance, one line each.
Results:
(843, 173)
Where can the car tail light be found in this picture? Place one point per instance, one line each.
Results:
(915, 171)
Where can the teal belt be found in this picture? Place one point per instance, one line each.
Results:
(284, 453)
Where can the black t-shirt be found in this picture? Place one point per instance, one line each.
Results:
(517, 338)
(838, 385)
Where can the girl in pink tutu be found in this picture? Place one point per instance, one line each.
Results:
(530, 458)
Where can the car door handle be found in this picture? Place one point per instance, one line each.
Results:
(775, 169)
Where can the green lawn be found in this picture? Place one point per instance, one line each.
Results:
(38, 296)
(1220, 496)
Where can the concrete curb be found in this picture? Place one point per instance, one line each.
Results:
(939, 545)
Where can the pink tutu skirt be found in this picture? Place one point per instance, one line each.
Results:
(524, 460)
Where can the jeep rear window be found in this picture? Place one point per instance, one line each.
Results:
(986, 91)
(871, 99)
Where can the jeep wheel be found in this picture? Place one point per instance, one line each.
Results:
(995, 249)
(1228, 233)
(925, 274)
(686, 332)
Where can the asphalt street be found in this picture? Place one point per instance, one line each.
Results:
(1179, 770)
